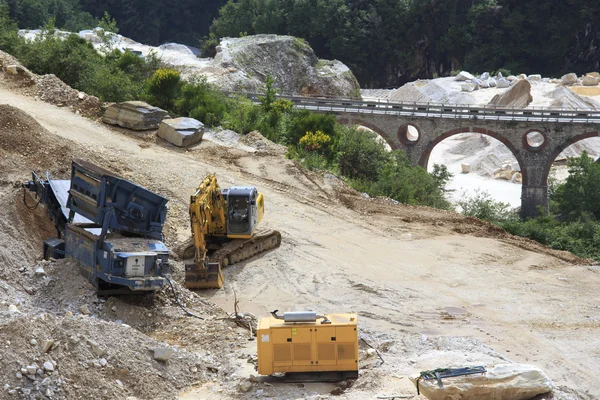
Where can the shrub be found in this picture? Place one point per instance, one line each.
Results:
(243, 116)
(305, 121)
(163, 88)
(201, 101)
(315, 141)
(482, 206)
(402, 181)
(579, 194)
(360, 154)
(109, 85)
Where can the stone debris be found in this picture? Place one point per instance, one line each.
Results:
(84, 309)
(48, 366)
(518, 96)
(262, 145)
(136, 115)
(464, 76)
(163, 353)
(467, 87)
(535, 77)
(503, 83)
(181, 132)
(46, 345)
(245, 386)
(40, 271)
(502, 381)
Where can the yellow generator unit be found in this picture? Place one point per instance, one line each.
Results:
(306, 342)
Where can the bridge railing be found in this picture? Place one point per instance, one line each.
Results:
(435, 110)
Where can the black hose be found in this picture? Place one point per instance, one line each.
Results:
(376, 351)
(25, 201)
(177, 300)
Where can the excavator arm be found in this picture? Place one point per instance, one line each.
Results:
(208, 211)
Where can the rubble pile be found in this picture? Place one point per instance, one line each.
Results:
(262, 145)
(52, 90)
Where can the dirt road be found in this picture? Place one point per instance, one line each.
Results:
(424, 292)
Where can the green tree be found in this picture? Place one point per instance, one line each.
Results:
(360, 155)
(579, 194)
(163, 88)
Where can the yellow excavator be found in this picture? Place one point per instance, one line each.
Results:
(223, 223)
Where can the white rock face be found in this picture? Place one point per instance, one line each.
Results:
(512, 78)
(501, 382)
(535, 77)
(485, 76)
(492, 82)
(464, 76)
(136, 115)
(181, 132)
(590, 80)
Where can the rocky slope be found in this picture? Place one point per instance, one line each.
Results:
(242, 64)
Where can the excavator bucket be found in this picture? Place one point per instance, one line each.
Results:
(204, 277)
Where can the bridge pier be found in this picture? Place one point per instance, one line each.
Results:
(532, 197)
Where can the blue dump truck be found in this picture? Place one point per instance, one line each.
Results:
(109, 225)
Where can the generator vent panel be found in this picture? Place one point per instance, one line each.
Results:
(326, 345)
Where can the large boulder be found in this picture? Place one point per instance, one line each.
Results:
(463, 76)
(569, 79)
(135, 115)
(590, 80)
(503, 83)
(290, 61)
(501, 382)
(181, 132)
(518, 96)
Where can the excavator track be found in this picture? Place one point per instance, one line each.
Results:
(211, 276)
(242, 249)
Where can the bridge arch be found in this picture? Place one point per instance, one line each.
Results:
(424, 160)
(560, 148)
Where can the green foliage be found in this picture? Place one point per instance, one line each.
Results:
(482, 206)
(270, 94)
(409, 184)
(579, 194)
(243, 116)
(305, 121)
(315, 142)
(505, 72)
(580, 237)
(360, 155)
(109, 84)
(201, 101)
(163, 88)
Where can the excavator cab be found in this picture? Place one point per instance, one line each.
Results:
(242, 211)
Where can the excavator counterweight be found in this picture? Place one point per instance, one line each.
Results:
(223, 224)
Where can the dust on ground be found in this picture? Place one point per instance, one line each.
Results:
(404, 269)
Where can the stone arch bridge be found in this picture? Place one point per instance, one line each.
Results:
(534, 136)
